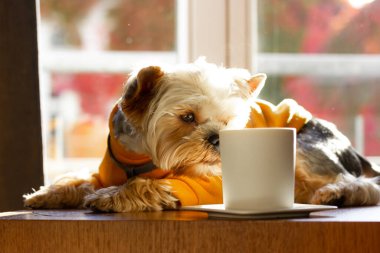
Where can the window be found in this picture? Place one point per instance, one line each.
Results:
(326, 55)
(323, 53)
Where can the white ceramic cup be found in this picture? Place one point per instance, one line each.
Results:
(258, 167)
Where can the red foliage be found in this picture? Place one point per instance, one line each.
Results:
(97, 92)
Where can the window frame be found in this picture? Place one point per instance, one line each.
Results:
(21, 159)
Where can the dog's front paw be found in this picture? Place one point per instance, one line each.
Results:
(39, 199)
(328, 195)
(59, 196)
(136, 195)
(103, 200)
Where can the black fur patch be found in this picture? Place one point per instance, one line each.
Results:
(327, 149)
(121, 126)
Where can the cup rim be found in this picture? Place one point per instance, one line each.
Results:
(260, 129)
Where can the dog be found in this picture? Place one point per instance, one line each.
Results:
(163, 146)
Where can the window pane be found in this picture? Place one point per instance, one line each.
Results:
(326, 53)
(109, 25)
(80, 106)
(319, 26)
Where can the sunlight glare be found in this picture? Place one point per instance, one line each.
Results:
(357, 4)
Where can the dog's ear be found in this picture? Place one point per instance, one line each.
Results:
(256, 83)
(143, 83)
(140, 90)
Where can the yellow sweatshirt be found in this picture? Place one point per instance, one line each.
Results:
(193, 191)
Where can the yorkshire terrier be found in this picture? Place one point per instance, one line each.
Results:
(163, 145)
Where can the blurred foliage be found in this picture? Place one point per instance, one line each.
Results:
(133, 24)
(318, 26)
(66, 14)
(143, 25)
(361, 34)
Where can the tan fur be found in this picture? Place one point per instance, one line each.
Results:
(63, 194)
(137, 194)
(356, 191)
(306, 185)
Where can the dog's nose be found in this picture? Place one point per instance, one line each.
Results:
(214, 140)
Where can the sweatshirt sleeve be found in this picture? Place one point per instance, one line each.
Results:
(196, 191)
(286, 114)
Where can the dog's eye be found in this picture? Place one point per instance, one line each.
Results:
(188, 118)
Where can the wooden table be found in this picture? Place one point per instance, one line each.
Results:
(342, 230)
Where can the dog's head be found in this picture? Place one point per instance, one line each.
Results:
(175, 115)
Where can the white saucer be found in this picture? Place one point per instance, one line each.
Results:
(219, 211)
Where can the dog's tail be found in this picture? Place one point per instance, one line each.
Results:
(370, 169)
